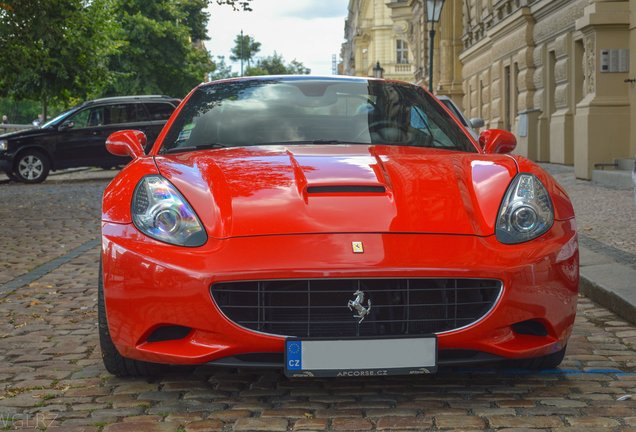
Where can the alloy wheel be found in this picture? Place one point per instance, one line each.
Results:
(31, 167)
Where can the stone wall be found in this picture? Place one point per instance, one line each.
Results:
(533, 67)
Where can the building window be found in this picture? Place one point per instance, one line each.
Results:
(402, 52)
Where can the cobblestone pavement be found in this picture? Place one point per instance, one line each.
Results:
(45, 221)
(51, 376)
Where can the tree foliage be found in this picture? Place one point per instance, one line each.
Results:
(275, 65)
(158, 54)
(65, 51)
(245, 48)
(55, 49)
(221, 70)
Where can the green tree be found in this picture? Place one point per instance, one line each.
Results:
(195, 18)
(55, 49)
(221, 70)
(275, 65)
(297, 68)
(159, 55)
(23, 111)
(63, 51)
(245, 48)
(256, 71)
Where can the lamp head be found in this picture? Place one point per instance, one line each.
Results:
(378, 71)
(434, 10)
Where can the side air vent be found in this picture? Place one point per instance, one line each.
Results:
(345, 189)
(166, 333)
(530, 327)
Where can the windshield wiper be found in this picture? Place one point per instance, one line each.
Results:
(194, 148)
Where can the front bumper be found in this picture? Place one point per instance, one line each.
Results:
(148, 284)
(5, 164)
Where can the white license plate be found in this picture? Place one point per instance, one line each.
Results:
(360, 357)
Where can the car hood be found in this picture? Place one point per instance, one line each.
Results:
(25, 133)
(274, 190)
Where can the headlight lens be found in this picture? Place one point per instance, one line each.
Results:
(4, 145)
(160, 212)
(526, 211)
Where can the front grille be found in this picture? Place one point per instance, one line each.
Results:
(318, 307)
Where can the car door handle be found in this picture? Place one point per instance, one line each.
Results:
(95, 133)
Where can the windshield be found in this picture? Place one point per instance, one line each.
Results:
(59, 118)
(320, 111)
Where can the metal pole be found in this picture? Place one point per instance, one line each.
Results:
(242, 52)
(430, 57)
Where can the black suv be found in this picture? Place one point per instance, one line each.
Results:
(77, 137)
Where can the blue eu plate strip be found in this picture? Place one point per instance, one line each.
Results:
(294, 355)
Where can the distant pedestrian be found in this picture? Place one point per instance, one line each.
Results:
(38, 121)
(5, 120)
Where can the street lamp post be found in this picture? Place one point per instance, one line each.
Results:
(242, 43)
(378, 71)
(433, 13)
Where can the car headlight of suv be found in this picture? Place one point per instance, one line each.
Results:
(161, 212)
(526, 211)
(4, 145)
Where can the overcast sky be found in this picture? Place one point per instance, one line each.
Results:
(310, 31)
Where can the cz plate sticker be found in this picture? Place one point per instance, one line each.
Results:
(294, 355)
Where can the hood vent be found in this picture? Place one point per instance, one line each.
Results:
(345, 189)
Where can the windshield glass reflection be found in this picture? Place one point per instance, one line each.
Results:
(319, 111)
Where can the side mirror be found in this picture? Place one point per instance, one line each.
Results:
(476, 123)
(497, 141)
(66, 125)
(127, 143)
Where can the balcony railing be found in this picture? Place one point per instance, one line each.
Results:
(403, 68)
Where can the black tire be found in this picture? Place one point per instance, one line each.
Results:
(31, 166)
(550, 361)
(114, 362)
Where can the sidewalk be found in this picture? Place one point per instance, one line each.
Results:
(606, 220)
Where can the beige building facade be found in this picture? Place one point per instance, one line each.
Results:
(373, 37)
(555, 72)
(410, 15)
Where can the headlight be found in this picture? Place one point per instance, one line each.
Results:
(4, 145)
(160, 212)
(526, 211)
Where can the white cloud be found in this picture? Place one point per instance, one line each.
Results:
(309, 9)
(306, 30)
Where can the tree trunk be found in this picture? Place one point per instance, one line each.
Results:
(45, 104)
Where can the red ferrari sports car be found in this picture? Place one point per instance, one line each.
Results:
(331, 226)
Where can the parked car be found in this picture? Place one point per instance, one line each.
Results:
(77, 137)
(473, 125)
(331, 227)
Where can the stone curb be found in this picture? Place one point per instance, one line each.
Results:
(608, 283)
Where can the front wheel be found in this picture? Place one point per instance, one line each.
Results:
(114, 362)
(32, 166)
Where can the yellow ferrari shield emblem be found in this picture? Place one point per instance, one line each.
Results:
(357, 247)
